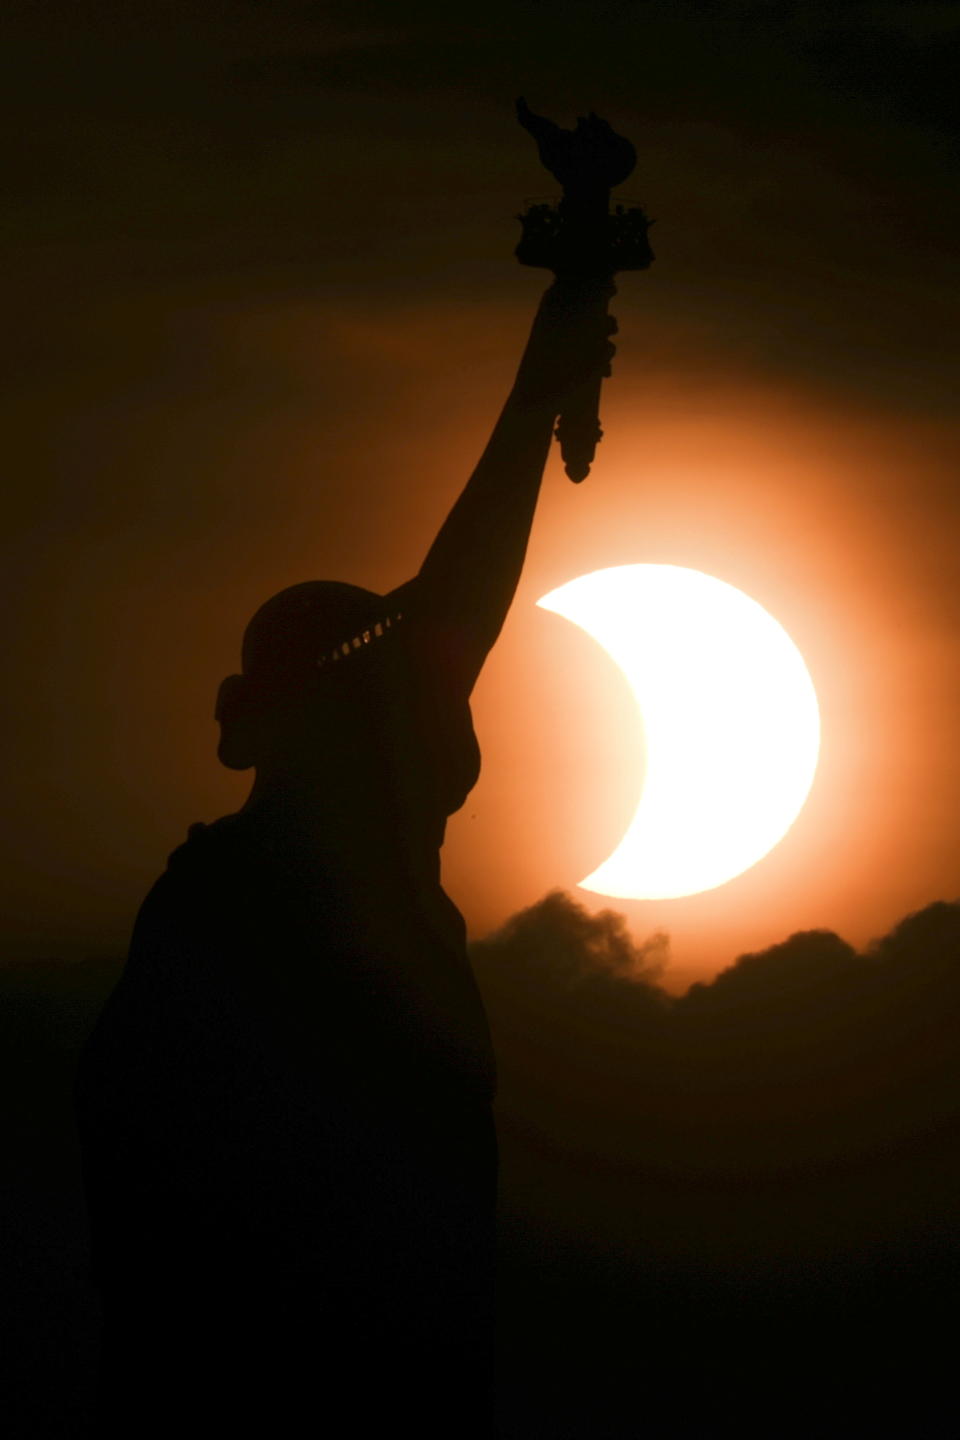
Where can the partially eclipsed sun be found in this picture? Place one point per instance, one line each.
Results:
(729, 719)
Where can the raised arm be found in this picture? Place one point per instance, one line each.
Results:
(468, 579)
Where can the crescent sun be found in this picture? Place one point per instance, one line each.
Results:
(730, 724)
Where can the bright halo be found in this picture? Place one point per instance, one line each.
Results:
(729, 719)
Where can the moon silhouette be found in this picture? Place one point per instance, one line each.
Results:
(730, 724)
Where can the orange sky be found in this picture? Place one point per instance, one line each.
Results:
(803, 510)
(834, 520)
(265, 316)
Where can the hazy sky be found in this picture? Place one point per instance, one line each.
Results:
(263, 310)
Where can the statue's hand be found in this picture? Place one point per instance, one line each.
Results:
(569, 344)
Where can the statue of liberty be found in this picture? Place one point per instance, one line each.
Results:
(285, 1108)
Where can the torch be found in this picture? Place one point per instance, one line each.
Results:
(584, 244)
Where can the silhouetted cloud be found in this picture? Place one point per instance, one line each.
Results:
(805, 1054)
(572, 951)
(720, 1190)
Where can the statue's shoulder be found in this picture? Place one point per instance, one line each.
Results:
(223, 841)
(207, 866)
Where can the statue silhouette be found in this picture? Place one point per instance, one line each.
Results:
(590, 157)
(285, 1107)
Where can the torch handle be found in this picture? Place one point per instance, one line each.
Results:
(578, 425)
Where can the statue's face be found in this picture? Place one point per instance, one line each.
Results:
(351, 712)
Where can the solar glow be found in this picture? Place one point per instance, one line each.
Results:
(730, 724)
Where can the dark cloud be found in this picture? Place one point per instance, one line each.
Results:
(575, 952)
(801, 1055)
(706, 1199)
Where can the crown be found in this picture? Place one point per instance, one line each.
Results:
(368, 636)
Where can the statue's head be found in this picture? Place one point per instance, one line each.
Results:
(311, 659)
